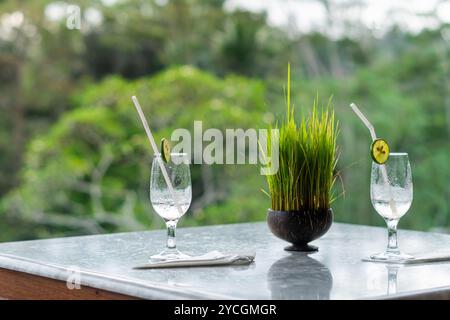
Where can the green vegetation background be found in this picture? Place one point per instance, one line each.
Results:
(73, 155)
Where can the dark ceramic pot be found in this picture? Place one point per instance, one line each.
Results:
(299, 227)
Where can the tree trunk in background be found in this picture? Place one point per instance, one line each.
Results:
(313, 64)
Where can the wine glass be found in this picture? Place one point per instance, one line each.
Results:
(171, 205)
(391, 192)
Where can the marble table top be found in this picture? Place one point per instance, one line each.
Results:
(334, 272)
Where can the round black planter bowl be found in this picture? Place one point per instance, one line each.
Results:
(299, 227)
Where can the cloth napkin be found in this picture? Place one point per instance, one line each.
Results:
(213, 258)
(420, 258)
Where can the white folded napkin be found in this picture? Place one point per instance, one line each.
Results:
(419, 258)
(213, 258)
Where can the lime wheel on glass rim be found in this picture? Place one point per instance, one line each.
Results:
(379, 151)
(165, 150)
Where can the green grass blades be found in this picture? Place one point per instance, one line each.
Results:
(307, 158)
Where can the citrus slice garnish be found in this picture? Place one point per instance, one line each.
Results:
(165, 150)
(379, 151)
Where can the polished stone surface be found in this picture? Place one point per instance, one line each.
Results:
(335, 272)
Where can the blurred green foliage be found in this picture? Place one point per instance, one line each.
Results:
(90, 172)
(75, 160)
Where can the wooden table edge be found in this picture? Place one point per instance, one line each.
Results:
(16, 285)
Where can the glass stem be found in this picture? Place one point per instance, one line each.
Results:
(392, 235)
(171, 228)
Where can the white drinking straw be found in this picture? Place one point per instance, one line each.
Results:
(157, 154)
(374, 137)
(364, 120)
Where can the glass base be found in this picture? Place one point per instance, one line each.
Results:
(390, 257)
(169, 254)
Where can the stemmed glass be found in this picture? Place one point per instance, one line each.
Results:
(163, 200)
(391, 192)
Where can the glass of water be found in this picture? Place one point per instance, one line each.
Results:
(171, 205)
(391, 192)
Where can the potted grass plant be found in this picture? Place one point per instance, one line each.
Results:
(301, 189)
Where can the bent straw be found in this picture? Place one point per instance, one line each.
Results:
(364, 120)
(374, 137)
(155, 150)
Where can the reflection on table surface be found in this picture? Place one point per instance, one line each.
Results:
(299, 276)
